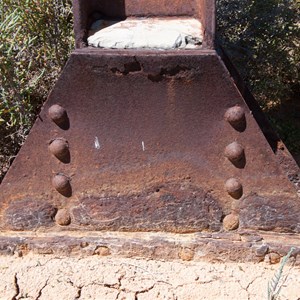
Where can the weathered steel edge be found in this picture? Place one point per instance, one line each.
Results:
(284, 157)
(141, 52)
(213, 247)
(282, 154)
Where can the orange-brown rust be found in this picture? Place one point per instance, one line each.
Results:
(166, 135)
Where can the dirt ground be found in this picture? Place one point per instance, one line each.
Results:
(49, 277)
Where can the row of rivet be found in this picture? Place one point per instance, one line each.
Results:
(59, 147)
(235, 153)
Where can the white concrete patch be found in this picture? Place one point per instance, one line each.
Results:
(148, 33)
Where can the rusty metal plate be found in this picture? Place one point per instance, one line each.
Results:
(136, 141)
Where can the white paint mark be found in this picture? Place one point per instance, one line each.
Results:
(143, 146)
(97, 144)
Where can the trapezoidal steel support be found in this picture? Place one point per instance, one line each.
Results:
(133, 143)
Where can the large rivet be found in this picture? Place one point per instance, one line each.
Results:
(231, 222)
(234, 188)
(236, 154)
(62, 184)
(59, 116)
(59, 147)
(63, 217)
(235, 116)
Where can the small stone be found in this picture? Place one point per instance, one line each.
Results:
(251, 238)
(295, 260)
(44, 251)
(18, 253)
(234, 188)
(231, 222)
(102, 251)
(274, 258)
(84, 244)
(63, 217)
(262, 250)
(186, 254)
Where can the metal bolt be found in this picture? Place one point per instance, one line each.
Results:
(231, 222)
(58, 114)
(234, 188)
(59, 147)
(235, 116)
(63, 217)
(234, 152)
(62, 184)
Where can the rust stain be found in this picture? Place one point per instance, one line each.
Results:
(145, 141)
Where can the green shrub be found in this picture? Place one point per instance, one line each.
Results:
(262, 39)
(35, 41)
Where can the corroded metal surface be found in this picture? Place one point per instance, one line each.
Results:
(147, 137)
(160, 147)
(28, 214)
(214, 247)
(175, 208)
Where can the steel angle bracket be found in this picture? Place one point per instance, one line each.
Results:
(142, 141)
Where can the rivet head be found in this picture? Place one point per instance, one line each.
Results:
(60, 148)
(231, 222)
(235, 116)
(62, 184)
(234, 152)
(234, 188)
(62, 217)
(58, 114)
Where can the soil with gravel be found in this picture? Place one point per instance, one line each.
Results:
(49, 277)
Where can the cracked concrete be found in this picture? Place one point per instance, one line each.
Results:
(51, 277)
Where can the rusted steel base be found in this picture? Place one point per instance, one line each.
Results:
(212, 247)
(135, 141)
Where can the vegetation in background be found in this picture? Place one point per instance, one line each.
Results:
(36, 37)
(288, 130)
(262, 38)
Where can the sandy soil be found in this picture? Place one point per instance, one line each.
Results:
(49, 277)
